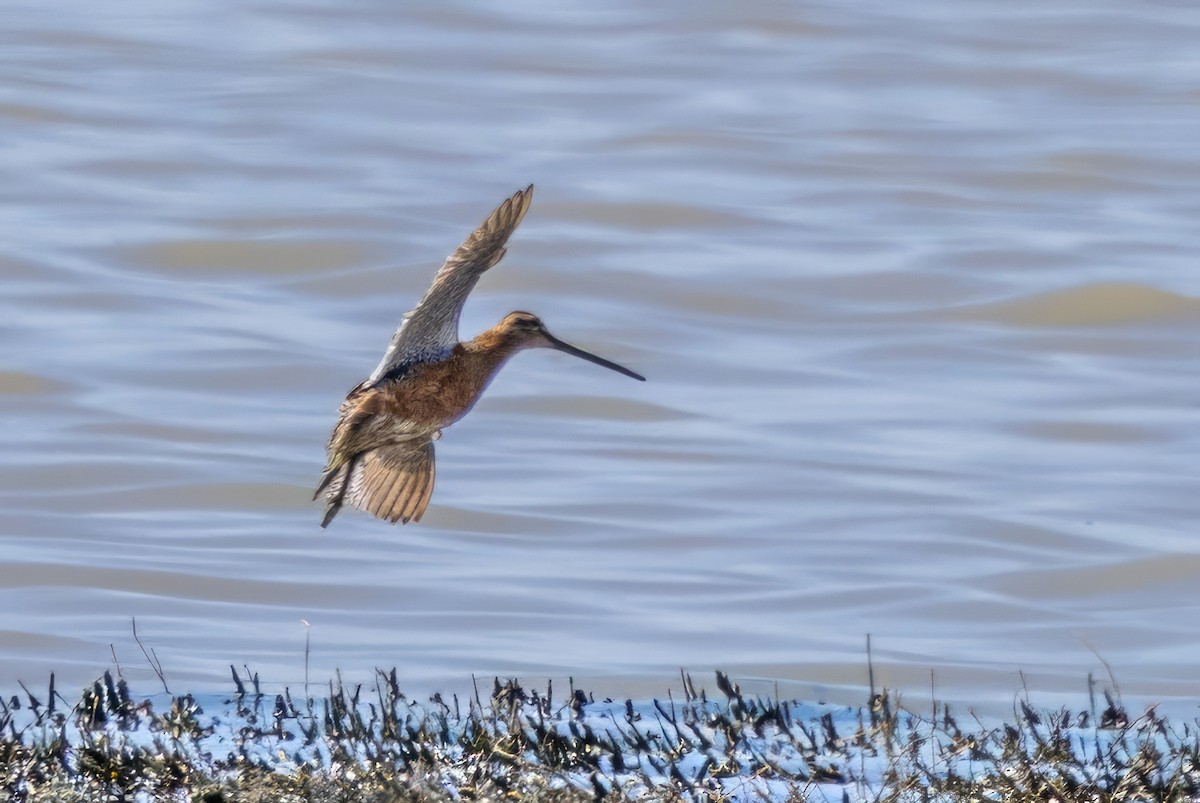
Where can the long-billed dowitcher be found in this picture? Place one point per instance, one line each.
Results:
(381, 451)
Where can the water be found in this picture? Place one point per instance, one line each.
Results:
(915, 289)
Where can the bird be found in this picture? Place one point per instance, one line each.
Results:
(380, 453)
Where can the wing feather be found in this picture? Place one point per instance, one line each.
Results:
(430, 330)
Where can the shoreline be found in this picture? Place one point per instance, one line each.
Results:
(707, 740)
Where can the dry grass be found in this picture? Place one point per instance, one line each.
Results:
(360, 744)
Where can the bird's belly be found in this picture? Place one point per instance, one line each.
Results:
(431, 398)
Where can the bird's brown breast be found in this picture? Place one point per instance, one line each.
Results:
(432, 394)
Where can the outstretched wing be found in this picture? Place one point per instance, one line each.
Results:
(430, 330)
(392, 482)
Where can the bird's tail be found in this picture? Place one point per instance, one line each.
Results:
(392, 482)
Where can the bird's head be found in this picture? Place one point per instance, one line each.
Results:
(529, 332)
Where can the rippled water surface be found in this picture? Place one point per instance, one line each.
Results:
(917, 291)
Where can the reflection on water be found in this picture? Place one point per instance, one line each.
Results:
(916, 295)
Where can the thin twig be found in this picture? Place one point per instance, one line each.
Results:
(116, 663)
(151, 657)
(933, 722)
(1112, 678)
(307, 645)
(871, 683)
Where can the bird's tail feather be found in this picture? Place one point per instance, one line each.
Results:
(393, 482)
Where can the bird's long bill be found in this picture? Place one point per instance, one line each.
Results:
(559, 345)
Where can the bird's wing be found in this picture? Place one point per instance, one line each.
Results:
(392, 482)
(430, 330)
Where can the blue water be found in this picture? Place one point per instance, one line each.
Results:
(915, 290)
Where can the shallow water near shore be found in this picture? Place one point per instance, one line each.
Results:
(916, 293)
